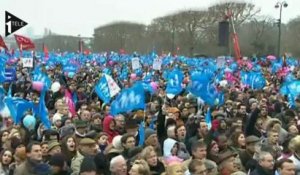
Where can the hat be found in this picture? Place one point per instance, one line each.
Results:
(225, 155)
(87, 141)
(80, 124)
(173, 110)
(56, 117)
(139, 114)
(131, 124)
(219, 114)
(252, 139)
(57, 160)
(102, 134)
(228, 102)
(52, 145)
(66, 130)
(116, 142)
(252, 100)
(132, 152)
(149, 132)
(100, 161)
(87, 165)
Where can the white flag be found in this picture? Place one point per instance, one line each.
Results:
(112, 86)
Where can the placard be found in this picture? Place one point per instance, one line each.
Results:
(135, 63)
(157, 62)
(27, 62)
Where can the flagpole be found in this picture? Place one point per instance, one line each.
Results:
(21, 54)
(235, 38)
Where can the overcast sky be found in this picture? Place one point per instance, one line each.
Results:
(73, 17)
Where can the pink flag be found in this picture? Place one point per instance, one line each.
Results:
(69, 100)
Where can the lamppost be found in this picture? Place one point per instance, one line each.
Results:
(79, 44)
(280, 5)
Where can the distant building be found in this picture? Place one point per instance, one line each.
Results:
(62, 42)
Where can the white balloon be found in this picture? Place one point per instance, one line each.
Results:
(190, 96)
(55, 87)
(223, 83)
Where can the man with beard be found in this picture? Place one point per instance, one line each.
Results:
(202, 134)
(120, 124)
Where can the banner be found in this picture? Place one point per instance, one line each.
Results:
(27, 62)
(157, 63)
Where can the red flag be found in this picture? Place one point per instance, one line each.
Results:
(87, 52)
(2, 43)
(24, 43)
(236, 46)
(46, 52)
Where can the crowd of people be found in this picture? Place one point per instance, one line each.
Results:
(254, 132)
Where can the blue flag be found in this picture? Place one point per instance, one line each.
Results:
(208, 118)
(141, 133)
(39, 76)
(43, 111)
(2, 96)
(175, 79)
(17, 107)
(129, 99)
(102, 90)
(291, 99)
(202, 87)
(255, 80)
(291, 88)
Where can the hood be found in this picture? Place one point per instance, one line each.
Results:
(271, 122)
(106, 122)
(168, 145)
(215, 124)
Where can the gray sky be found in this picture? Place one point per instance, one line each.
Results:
(75, 17)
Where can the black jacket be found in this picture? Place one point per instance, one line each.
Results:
(261, 171)
(158, 169)
(247, 160)
(250, 125)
